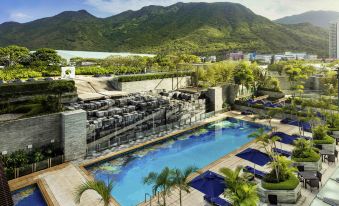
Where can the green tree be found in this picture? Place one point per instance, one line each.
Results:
(239, 190)
(161, 181)
(243, 75)
(180, 180)
(98, 186)
(60, 87)
(13, 55)
(272, 112)
(47, 56)
(268, 143)
(281, 169)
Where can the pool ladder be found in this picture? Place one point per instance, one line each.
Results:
(150, 198)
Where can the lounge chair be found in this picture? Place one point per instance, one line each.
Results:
(217, 201)
(259, 174)
(285, 121)
(247, 112)
(285, 138)
(330, 201)
(282, 152)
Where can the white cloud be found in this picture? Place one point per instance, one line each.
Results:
(269, 8)
(19, 17)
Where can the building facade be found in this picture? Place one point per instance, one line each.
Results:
(334, 40)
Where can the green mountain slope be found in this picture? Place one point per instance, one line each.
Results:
(209, 28)
(317, 18)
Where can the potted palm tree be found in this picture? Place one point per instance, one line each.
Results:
(305, 155)
(99, 186)
(239, 190)
(280, 181)
(161, 181)
(320, 137)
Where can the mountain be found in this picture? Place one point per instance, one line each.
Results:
(317, 18)
(201, 28)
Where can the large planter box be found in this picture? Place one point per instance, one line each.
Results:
(328, 147)
(336, 132)
(284, 196)
(310, 166)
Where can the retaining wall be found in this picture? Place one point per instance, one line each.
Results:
(35, 131)
(66, 130)
(148, 85)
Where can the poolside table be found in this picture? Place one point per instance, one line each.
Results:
(324, 153)
(308, 175)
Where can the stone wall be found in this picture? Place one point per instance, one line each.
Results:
(214, 98)
(312, 83)
(35, 131)
(148, 85)
(67, 130)
(73, 134)
(284, 196)
(229, 93)
(310, 166)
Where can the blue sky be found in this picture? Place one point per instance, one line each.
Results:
(28, 10)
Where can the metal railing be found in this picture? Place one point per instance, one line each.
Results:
(152, 133)
(12, 173)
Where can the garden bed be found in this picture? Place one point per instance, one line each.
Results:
(287, 192)
(308, 165)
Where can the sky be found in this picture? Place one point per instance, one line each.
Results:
(29, 10)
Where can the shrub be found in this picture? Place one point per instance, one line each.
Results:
(10, 74)
(320, 132)
(304, 152)
(37, 87)
(326, 140)
(141, 77)
(290, 184)
(309, 156)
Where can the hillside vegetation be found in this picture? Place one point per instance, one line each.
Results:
(200, 28)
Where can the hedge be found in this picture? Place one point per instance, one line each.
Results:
(289, 184)
(326, 140)
(141, 77)
(36, 87)
(313, 157)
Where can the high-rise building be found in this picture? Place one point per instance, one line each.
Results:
(334, 40)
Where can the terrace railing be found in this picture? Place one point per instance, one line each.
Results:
(152, 133)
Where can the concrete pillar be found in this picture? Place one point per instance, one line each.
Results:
(73, 134)
(214, 95)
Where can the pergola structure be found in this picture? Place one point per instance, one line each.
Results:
(5, 193)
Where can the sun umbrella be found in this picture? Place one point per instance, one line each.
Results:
(255, 156)
(209, 183)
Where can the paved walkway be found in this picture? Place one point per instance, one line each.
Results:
(63, 183)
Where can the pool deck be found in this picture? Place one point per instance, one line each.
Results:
(58, 183)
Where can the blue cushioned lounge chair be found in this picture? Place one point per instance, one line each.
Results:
(259, 174)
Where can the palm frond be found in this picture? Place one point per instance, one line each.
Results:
(98, 186)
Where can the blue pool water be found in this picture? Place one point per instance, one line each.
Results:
(198, 148)
(28, 196)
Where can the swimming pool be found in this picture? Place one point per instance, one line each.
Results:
(28, 196)
(198, 147)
